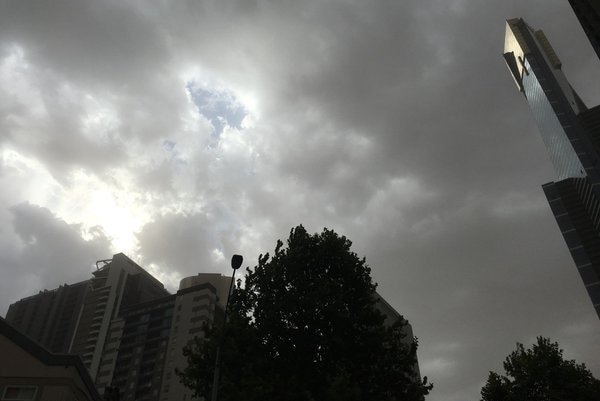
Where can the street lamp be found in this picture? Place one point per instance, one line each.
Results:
(236, 262)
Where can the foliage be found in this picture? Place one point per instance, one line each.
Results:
(305, 327)
(541, 374)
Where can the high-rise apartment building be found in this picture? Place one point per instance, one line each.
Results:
(75, 318)
(134, 352)
(571, 133)
(145, 343)
(118, 284)
(200, 299)
(392, 316)
(50, 317)
(128, 330)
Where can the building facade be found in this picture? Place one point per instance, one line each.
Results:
(571, 133)
(145, 343)
(75, 318)
(135, 349)
(392, 316)
(126, 328)
(118, 284)
(50, 317)
(200, 299)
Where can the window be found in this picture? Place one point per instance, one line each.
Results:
(104, 373)
(19, 393)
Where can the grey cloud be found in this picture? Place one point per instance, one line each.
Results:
(107, 42)
(78, 52)
(45, 252)
(187, 242)
(486, 282)
(394, 123)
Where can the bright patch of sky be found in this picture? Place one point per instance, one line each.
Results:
(96, 202)
(29, 178)
(218, 106)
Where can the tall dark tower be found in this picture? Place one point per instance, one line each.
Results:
(571, 133)
(76, 318)
(588, 14)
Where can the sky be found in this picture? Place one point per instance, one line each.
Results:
(182, 132)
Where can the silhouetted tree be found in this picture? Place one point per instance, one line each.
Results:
(305, 327)
(541, 374)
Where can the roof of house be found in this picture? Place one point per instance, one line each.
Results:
(48, 358)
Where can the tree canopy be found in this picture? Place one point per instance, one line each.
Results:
(541, 374)
(304, 326)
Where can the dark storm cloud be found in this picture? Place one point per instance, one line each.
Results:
(394, 123)
(94, 42)
(503, 282)
(417, 84)
(45, 252)
(186, 242)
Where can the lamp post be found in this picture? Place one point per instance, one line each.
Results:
(236, 262)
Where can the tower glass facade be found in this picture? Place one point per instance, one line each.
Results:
(563, 156)
(571, 134)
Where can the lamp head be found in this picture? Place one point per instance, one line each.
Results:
(236, 261)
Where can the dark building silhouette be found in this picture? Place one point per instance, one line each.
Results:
(75, 318)
(588, 14)
(125, 327)
(129, 331)
(118, 284)
(571, 133)
(50, 317)
(392, 316)
(134, 356)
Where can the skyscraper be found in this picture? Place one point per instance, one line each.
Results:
(50, 317)
(127, 329)
(145, 343)
(571, 133)
(75, 318)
